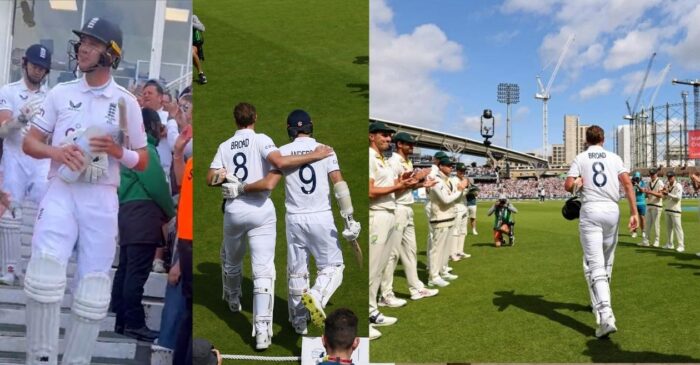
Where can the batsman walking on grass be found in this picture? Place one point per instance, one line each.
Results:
(599, 174)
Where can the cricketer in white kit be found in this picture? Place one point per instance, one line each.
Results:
(87, 121)
(250, 217)
(24, 177)
(601, 174)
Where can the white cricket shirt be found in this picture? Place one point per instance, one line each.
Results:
(306, 187)
(12, 97)
(383, 175)
(400, 166)
(599, 170)
(75, 104)
(245, 155)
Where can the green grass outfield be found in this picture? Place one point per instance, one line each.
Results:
(528, 303)
(279, 56)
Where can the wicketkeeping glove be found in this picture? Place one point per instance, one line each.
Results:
(352, 229)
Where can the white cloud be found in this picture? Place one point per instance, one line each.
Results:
(635, 47)
(529, 6)
(601, 87)
(504, 37)
(687, 51)
(633, 81)
(401, 66)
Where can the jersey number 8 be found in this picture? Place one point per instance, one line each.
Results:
(239, 161)
(598, 171)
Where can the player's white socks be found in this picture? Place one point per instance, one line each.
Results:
(44, 286)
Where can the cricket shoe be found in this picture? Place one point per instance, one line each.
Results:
(446, 269)
(668, 246)
(263, 335)
(464, 255)
(300, 326)
(424, 293)
(656, 244)
(474, 232)
(438, 282)
(378, 319)
(634, 234)
(392, 301)
(455, 257)
(643, 244)
(316, 313)
(606, 327)
(447, 276)
(680, 249)
(373, 333)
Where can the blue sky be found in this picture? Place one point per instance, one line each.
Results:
(438, 63)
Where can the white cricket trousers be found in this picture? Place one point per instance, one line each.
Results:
(403, 239)
(381, 225)
(674, 228)
(653, 222)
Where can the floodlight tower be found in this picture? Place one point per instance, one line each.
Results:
(696, 101)
(508, 94)
(544, 95)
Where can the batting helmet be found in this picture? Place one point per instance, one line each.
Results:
(572, 208)
(106, 32)
(38, 55)
(299, 121)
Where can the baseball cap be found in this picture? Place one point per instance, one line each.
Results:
(670, 173)
(39, 55)
(445, 161)
(379, 127)
(652, 171)
(440, 155)
(461, 166)
(404, 137)
(104, 31)
(201, 352)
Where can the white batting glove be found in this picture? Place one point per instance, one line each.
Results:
(29, 110)
(219, 177)
(233, 188)
(97, 167)
(352, 229)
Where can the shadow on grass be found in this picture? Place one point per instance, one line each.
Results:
(662, 252)
(362, 89)
(609, 351)
(538, 305)
(208, 294)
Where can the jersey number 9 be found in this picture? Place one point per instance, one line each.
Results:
(311, 180)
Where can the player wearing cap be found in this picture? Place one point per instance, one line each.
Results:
(443, 197)
(403, 238)
(247, 157)
(94, 126)
(434, 172)
(309, 222)
(654, 195)
(673, 194)
(24, 176)
(601, 174)
(503, 220)
(459, 233)
(383, 183)
(639, 187)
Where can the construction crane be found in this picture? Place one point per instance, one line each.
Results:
(660, 80)
(633, 110)
(544, 95)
